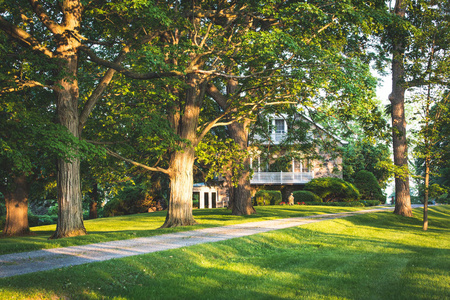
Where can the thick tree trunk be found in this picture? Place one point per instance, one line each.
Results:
(400, 146)
(181, 184)
(70, 211)
(181, 164)
(241, 194)
(17, 208)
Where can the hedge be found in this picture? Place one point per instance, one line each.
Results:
(267, 197)
(368, 186)
(333, 189)
(305, 196)
(363, 203)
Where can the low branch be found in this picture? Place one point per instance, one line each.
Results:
(23, 36)
(22, 84)
(96, 94)
(119, 68)
(153, 169)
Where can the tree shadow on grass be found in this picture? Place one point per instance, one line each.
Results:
(294, 263)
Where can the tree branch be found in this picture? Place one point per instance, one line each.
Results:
(96, 94)
(134, 75)
(21, 84)
(153, 169)
(45, 19)
(23, 36)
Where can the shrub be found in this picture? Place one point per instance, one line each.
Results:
(267, 197)
(368, 186)
(331, 189)
(305, 196)
(2, 209)
(362, 203)
(38, 220)
(2, 222)
(131, 200)
(371, 202)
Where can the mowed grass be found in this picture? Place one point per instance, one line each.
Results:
(372, 256)
(147, 224)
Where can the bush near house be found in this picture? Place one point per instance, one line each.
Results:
(368, 186)
(267, 197)
(331, 189)
(305, 196)
(131, 200)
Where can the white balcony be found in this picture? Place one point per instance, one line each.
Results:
(273, 138)
(280, 178)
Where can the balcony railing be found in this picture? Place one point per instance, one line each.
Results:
(274, 138)
(279, 178)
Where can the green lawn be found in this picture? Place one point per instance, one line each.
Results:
(127, 227)
(373, 256)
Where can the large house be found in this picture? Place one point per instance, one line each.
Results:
(283, 169)
(300, 168)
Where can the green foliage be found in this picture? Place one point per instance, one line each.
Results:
(433, 143)
(367, 155)
(38, 220)
(305, 196)
(220, 156)
(130, 200)
(368, 186)
(360, 203)
(267, 197)
(340, 204)
(331, 189)
(2, 206)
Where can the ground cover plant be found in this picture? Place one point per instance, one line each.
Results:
(372, 256)
(147, 224)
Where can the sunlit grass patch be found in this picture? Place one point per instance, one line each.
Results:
(374, 256)
(147, 224)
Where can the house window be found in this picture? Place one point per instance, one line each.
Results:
(280, 126)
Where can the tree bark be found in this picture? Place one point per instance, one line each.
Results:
(70, 211)
(241, 194)
(181, 166)
(425, 203)
(400, 146)
(181, 184)
(17, 208)
(240, 201)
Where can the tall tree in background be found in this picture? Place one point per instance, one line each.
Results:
(55, 32)
(432, 146)
(295, 72)
(416, 26)
(264, 50)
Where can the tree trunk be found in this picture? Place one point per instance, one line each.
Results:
(241, 194)
(181, 184)
(94, 202)
(425, 203)
(70, 211)
(181, 166)
(17, 208)
(400, 146)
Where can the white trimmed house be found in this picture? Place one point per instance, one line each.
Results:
(295, 175)
(299, 171)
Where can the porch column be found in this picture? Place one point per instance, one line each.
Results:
(201, 201)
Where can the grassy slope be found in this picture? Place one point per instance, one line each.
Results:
(375, 256)
(127, 227)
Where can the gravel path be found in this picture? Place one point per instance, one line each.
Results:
(48, 259)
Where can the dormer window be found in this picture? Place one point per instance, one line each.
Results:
(280, 126)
